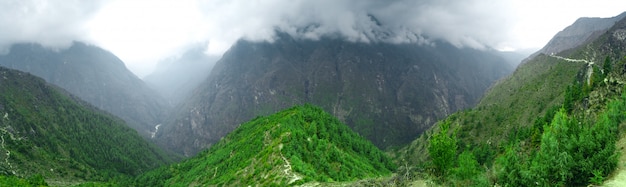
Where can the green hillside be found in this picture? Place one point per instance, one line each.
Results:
(46, 132)
(295, 146)
(554, 121)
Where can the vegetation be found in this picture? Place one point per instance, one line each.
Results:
(554, 122)
(36, 180)
(48, 133)
(295, 146)
(442, 150)
(567, 147)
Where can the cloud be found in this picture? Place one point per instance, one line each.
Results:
(53, 23)
(142, 32)
(470, 23)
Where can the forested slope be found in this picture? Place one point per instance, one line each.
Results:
(45, 131)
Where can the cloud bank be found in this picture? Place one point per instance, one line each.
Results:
(142, 32)
(470, 23)
(51, 23)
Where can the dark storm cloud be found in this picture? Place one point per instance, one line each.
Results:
(53, 23)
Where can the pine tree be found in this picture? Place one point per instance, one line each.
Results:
(442, 150)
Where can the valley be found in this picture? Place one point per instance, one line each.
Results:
(366, 94)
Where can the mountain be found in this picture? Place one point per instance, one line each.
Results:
(176, 77)
(47, 132)
(295, 146)
(389, 93)
(96, 76)
(556, 120)
(580, 32)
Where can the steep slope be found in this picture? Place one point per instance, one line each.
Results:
(94, 75)
(570, 104)
(580, 32)
(294, 146)
(389, 93)
(175, 78)
(45, 131)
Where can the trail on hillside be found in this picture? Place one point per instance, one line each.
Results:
(573, 60)
(590, 65)
(2, 144)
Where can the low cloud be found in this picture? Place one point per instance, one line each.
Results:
(51, 23)
(471, 23)
(141, 32)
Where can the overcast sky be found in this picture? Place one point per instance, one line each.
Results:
(141, 32)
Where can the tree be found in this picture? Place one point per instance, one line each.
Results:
(442, 150)
(553, 161)
(468, 166)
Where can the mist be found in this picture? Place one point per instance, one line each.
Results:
(144, 32)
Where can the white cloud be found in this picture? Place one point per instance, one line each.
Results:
(141, 32)
(53, 23)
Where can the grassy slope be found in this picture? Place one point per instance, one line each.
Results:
(47, 132)
(294, 146)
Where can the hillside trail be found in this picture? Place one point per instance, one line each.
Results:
(590, 65)
(2, 146)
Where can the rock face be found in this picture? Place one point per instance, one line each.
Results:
(389, 93)
(582, 31)
(96, 76)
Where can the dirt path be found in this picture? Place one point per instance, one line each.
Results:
(618, 178)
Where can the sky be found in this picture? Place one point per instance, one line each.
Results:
(142, 32)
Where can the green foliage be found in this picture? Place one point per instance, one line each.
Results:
(442, 150)
(34, 181)
(598, 177)
(468, 171)
(571, 152)
(45, 131)
(552, 122)
(553, 161)
(294, 146)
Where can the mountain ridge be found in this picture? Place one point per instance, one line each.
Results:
(96, 76)
(48, 132)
